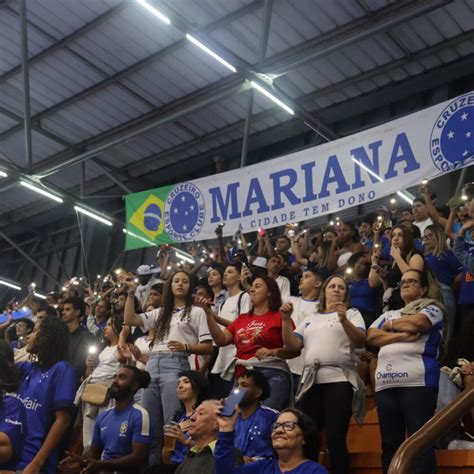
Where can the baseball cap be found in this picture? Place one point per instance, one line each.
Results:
(144, 270)
(260, 262)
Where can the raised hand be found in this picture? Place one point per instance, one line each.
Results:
(341, 310)
(226, 423)
(285, 310)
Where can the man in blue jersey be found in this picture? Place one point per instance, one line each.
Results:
(47, 390)
(253, 430)
(122, 434)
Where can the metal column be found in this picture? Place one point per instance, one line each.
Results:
(26, 85)
(262, 51)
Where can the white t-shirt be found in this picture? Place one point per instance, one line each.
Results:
(192, 329)
(326, 341)
(229, 310)
(143, 343)
(422, 225)
(410, 364)
(284, 285)
(302, 309)
(108, 365)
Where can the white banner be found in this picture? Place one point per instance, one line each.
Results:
(326, 178)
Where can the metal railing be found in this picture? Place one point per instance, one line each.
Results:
(429, 433)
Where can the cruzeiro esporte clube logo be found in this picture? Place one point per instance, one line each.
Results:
(452, 137)
(185, 212)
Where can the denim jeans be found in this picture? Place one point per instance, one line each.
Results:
(280, 385)
(330, 407)
(402, 411)
(160, 398)
(449, 302)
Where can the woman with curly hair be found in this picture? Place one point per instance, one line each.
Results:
(180, 329)
(47, 390)
(12, 412)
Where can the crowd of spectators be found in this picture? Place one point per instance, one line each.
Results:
(130, 373)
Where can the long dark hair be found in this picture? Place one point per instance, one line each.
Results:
(274, 300)
(408, 246)
(310, 433)
(52, 342)
(162, 327)
(199, 383)
(9, 373)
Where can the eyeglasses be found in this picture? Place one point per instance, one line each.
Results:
(286, 425)
(409, 282)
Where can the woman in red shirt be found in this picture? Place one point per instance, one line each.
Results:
(257, 337)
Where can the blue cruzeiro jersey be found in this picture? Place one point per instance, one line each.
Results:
(253, 435)
(43, 393)
(13, 424)
(410, 364)
(115, 431)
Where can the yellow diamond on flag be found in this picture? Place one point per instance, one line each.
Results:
(149, 217)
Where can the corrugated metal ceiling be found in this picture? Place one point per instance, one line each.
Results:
(109, 63)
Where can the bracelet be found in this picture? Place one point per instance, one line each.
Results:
(391, 325)
(131, 294)
(186, 348)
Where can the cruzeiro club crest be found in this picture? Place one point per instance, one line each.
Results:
(184, 212)
(452, 137)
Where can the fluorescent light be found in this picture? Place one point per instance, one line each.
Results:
(272, 97)
(42, 191)
(150, 242)
(39, 295)
(375, 175)
(210, 52)
(403, 196)
(184, 256)
(155, 12)
(94, 216)
(10, 285)
(3, 174)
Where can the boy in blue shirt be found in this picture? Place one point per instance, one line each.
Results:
(121, 434)
(47, 390)
(253, 430)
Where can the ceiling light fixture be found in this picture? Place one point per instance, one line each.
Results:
(277, 101)
(155, 12)
(403, 196)
(94, 216)
(10, 285)
(41, 191)
(210, 52)
(39, 295)
(184, 255)
(3, 174)
(136, 236)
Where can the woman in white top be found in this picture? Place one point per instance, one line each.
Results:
(329, 338)
(237, 302)
(103, 368)
(180, 329)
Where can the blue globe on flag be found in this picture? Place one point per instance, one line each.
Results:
(184, 212)
(152, 217)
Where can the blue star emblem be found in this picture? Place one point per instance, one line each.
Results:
(457, 142)
(184, 212)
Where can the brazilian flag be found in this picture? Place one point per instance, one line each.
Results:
(145, 218)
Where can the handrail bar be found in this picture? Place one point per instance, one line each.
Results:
(430, 432)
